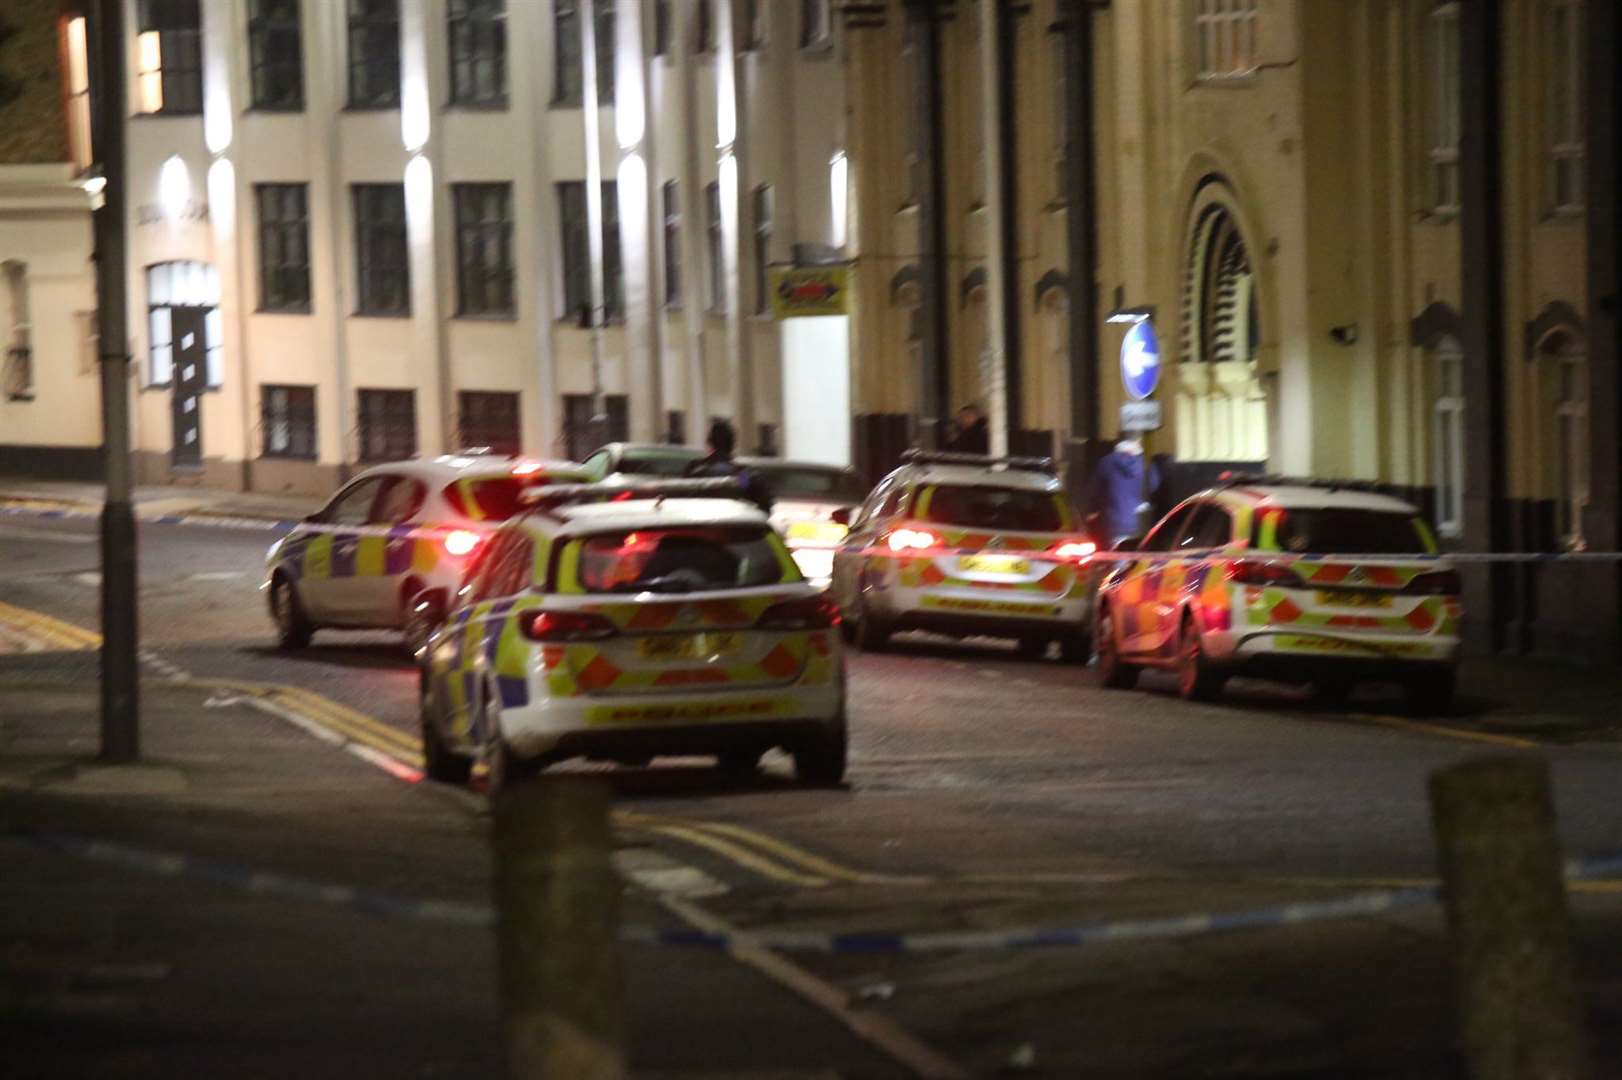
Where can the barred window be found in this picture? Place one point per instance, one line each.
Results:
(705, 39)
(575, 225)
(1225, 38)
(275, 55)
(712, 230)
(672, 208)
(814, 23)
(169, 53)
(754, 21)
(1564, 142)
(374, 54)
(478, 39)
(582, 433)
(489, 419)
(1447, 435)
(284, 247)
(661, 27)
(287, 418)
(763, 247)
(1442, 114)
(388, 425)
(676, 427)
(484, 249)
(569, 88)
(382, 259)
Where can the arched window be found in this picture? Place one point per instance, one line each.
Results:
(1222, 402)
(1447, 434)
(1564, 381)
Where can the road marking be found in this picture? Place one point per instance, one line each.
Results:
(48, 631)
(737, 855)
(218, 575)
(22, 532)
(880, 1031)
(1511, 741)
(807, 861)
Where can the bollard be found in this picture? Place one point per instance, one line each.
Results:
(557, 904)
(1499, 856)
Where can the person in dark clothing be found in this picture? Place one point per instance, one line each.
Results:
(1118, 489)
(973, 433)
(718, 462)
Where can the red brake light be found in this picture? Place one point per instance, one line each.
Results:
(811, 613)
(566, 626)
(1436, 583)
(1074, 549)
(461, 542)
(914, 539)
(1258, 572)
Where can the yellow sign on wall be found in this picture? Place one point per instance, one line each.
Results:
(798, 292)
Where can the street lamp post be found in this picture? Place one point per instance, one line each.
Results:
(120, 701)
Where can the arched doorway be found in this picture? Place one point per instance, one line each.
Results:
(1222, 412)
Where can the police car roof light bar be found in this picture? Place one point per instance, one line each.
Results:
(946, 457)
(551, 496)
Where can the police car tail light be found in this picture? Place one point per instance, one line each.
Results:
(566, 626)
(461, 542)
(1258, 572)
(812, 613)
(912, 539)
(1437, 583)
(1074, 549)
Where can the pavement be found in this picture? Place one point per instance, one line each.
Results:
(159, 501)
(109, 971)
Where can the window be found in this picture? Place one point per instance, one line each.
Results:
(581, 432)
(672, 200)
(1565, 381)
(1342, 531)
(478, 37)
(1442, 65)
(763, 247)
(275, 55)
(1002, 508)
(374, 54)
(1162, 536)
(1224, 38)
(287, 418)
(1448, 436)
(284, 247)
(76, 90)
(14, 325)
(1211, 528)
(1563, 53)
(577, 250)
(1061, 115)
(484, 249)
(381, 253)
(706, 26)
(388, 425)
(717, 298)
(661, 27)
(814, 23)
(754, 21)
(402, 497)
(169, 52)
(570, 70)
(679, 560)
(486, 418)
(353, 505)
(676, 427)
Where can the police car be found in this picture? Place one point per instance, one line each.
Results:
(624, 462)
(808, 501)
(1298, 580)
(967, 545)
(390, 548)
(662, 618)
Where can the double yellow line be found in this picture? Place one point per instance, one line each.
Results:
(351, 724)
(49, 633)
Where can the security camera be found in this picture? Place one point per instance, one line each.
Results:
(1344, 335)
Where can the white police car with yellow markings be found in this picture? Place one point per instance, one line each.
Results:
(390, 548)
(811, 502)
(625, 623)
(1332, 582)
(967, 545)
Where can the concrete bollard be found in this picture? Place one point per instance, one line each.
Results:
(1504, 890)
(557, 902)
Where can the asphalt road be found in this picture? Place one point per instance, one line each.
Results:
(989, 791)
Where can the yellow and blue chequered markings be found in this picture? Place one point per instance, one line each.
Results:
(323, 555)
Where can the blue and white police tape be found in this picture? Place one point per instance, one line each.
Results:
(389, 905)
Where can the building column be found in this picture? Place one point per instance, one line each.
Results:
(1482, 230)
(425, 203)
(226, 198)
(732, 173)
(330, 237)
(935, 380)
(633, 105)
(530, 29)
(691, 190)
(997, 101)
(1081, 222)
(1602, 518)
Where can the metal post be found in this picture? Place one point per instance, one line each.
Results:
(120, 702)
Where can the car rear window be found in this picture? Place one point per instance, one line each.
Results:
(677, 560)
(657, 463)
(994, 508)
(496, 498)
(1341, 532)
(829, 485)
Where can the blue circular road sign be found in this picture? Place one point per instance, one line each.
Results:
(1140, 360)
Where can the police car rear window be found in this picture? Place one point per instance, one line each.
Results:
(490, 498)
(680, 560)
(829, 485)
(994, 508)
(1340, 532)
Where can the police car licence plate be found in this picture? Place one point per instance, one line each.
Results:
(1353, 599)
(686, 646)
(993, 564)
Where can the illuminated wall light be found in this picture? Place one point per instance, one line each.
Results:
(217, 123)
(222, 195)
(419, 188)
(415, 120)
(633, 180)
(630, 119)
(149, 71)
(839, 195)
(174, 188)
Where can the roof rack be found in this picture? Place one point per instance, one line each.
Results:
(945, 457)
(1376, 487)
(548, 497)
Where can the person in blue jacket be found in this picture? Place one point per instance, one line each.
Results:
(1118, 491)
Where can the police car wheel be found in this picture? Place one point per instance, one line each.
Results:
(821, 763)
(1076, 647)
(439, 762)
(419, 625)
(1033, 648)
(871, 634)
(1113, 674)
(1196, 681)
(293, 629)
(737, 765)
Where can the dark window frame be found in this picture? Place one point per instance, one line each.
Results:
(569, 68)
(374, 73)
(179, 26)
(764, 205)
(298, 411)
(484, 225)
(476, 37)
(275, 47)
(575, 251)
(816, 24)
(284, 247)
(661, 27)
(380, 231)
(396, 411)
(715, 249)
(492, 418)
(671, 195)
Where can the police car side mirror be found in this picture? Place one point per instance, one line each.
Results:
(1129, 543)
(841, 516)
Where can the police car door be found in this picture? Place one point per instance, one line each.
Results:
(1144, 611)
(850, 558)
(377, 592)
(327, 582)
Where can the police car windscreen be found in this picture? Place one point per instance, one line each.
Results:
(493, 498)
(995, 508)
(679, 560)
(821, 485)
(656, 463)
(1341, 532)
